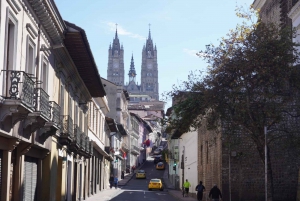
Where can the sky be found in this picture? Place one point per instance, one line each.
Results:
(179, 28)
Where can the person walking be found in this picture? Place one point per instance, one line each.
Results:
(111, 181)
(215, 193)
(187, 186)
(200, 188)
(116, 182)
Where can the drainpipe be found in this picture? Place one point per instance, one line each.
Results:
(38, 55)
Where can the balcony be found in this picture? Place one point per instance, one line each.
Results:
(135, 150)
(18, 98)
(125, 147)
(66, 130)
(135, 135)
(82, 150)
(110, 156)
(75, 144)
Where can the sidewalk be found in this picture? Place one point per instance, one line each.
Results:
(126, 179)
(171, 188)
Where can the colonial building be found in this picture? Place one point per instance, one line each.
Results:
(47, 78)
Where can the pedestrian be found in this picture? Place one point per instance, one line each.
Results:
(187, 186)
(122, 174)
(116, 182)
(200, 188)
(111, 181)
(215, 193)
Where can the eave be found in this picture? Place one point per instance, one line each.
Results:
(78, 47)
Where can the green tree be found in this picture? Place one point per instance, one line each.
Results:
(250, 83)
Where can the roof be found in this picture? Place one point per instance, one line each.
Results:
(111, 124)
(122, 129)
(79, 49)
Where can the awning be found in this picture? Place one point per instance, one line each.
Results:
(122, 130)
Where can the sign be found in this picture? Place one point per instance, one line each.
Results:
(117, 153)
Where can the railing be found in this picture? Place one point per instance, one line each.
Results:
(67, 126)
(82, 141)
(19, 86)
(135, 148)
(91, 148)
(41, 102)
(54, 112)
(87, 144)
(77, 133)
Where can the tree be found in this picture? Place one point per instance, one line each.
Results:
(251, 82)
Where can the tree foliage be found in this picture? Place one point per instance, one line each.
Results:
(251, 82)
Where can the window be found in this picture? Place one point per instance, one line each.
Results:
(62, 99)
(10, 48)
(44, 74)
(70, 106)
(30, 55)
(76, 115)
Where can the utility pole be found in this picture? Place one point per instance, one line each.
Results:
(266, 165)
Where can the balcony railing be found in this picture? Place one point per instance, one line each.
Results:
(19, 85)
(91, 148)
(67, 126)
(82, 141)
(87, 144)
(77, 132)
(54, 112)
(41, 102)
(135, 135)
(135, 148)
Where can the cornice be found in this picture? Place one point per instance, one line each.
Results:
(258, 4)
(295, 11)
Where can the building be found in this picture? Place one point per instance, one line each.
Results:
(149, 71)
(48, 78)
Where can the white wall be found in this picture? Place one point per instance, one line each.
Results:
(189, 143)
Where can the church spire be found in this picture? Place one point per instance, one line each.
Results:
(132, 72)
(149, 35)
(116, 35)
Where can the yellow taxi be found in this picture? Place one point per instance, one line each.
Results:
(160, 166)
(141, 174)
(155, 184)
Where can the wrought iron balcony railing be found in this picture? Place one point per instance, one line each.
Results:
(77, 133)
(91, 148)
(87, 144)
(55, 113)
(82, 141)
(19, 85)
(67, 126)
(41, 102)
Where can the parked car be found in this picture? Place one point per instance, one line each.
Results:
(157, 151)
(155, 184)
(141, 174)
(157, 160)
(160, 166)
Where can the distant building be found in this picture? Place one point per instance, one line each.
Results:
(149, 72)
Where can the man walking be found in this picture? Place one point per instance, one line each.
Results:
(111, 181)
(200, 188)
(187, 186)
(215, 193)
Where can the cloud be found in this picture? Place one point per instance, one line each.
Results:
(124, 32)
(191, 52)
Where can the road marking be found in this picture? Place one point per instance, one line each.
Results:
(160, 194)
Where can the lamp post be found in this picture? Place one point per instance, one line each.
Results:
(266, 165)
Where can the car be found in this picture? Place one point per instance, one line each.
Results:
(141, 174)
(157, 160)
(155, 184)
(160, 166)
(157, 151)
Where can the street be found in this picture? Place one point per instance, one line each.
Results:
(137, 189)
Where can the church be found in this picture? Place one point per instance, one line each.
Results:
(148, 88)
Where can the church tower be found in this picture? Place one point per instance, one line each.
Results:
(149, 71)
(132, 86)
(115, 69)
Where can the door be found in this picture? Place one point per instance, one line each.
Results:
(30, 179)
